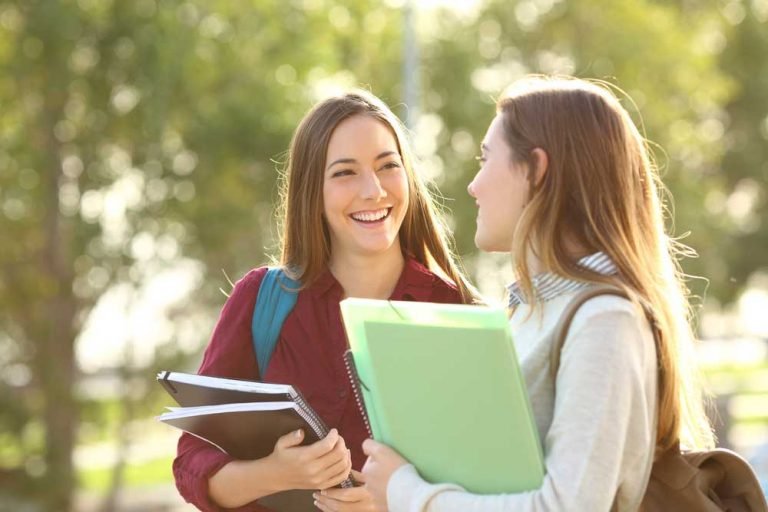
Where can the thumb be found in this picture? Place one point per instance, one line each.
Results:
(290, 439)
(370, 446)
(358, 477)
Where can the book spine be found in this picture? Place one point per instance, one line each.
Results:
(319, 429)
(298, 398)
(318, 426)
(310, 416)
(354, 379)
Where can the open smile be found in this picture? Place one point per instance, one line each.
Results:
(371, 217)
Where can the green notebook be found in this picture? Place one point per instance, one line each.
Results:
(441, 384)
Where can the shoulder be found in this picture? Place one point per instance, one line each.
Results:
(607, 308)
(246, 289)
(425, 285)
(250, 282)
(612, 328)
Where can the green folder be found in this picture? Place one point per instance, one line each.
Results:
(441, 384)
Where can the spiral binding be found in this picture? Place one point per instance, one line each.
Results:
(299, 399)
(354, 379)
(318, 426)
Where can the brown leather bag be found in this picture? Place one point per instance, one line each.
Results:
(716, 480)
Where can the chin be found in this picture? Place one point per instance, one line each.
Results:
(482, 244)
(374, 249)
(489, 245)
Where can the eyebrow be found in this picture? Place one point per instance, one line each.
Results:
(353, 161)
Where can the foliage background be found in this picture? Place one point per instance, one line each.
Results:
(140, 143)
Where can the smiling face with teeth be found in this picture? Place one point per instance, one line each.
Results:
(365, 189)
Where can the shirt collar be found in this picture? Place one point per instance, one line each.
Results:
(413, 278)
(548, 285)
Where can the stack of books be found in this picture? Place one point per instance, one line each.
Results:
(244, 419)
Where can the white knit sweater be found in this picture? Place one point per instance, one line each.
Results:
(597, 430)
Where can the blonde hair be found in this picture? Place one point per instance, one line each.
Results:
(305, 239)
(602, 192)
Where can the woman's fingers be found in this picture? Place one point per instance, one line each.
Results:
(326, 505)
(336, 474)
(354, 499)
(371, 447)
(352, 494)
(332, 458)
(323, 446)
(358, 477)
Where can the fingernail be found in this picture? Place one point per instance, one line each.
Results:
(297, 433)
(322, 492)
(315, 496)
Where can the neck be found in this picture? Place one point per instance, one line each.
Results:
(575, 251)
(368, 277)
(533, 264)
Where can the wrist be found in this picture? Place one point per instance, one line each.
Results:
(243, 481)
(272, 473)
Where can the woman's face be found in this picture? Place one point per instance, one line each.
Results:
(365, 188)
(500, 189)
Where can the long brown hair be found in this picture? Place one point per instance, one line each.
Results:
(602, 192)
(305, 240)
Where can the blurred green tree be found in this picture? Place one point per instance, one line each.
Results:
(135, 132)
(742, 203)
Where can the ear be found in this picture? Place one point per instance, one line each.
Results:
(541, 161)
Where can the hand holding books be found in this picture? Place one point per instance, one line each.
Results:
(353, 498)
(256, 423)
(382, 463)
(321, 465)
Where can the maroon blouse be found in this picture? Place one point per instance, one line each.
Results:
(308, 355)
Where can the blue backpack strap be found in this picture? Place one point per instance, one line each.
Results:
(277, 297)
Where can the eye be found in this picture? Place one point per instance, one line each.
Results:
(390, 165)
(342, 172)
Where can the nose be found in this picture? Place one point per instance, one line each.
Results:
(371, 187)
(471, 188)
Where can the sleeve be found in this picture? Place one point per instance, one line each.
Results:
(602, 426)
(229, 354)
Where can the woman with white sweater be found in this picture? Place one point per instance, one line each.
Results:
(568, 187)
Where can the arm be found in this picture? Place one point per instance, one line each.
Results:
(229, 354)
(211, 479)
(602, 425)
(321, 465)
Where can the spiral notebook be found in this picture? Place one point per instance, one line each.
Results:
(244, 419)
(441, 384)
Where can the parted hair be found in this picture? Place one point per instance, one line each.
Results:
(305, 239)
(602, 192)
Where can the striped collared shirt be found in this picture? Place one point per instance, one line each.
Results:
(547, 285)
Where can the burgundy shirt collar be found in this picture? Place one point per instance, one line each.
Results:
(414, 276)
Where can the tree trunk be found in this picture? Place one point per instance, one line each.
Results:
(56, 356)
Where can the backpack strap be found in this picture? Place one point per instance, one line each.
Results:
(277, 297)
(560, 332)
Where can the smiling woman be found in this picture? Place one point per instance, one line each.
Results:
(365, 192)
(366, 166)
(358, 221)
